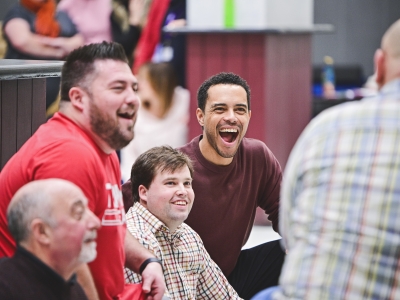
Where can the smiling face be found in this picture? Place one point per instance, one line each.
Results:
(169, 197)
(225, 121)
(112, 103)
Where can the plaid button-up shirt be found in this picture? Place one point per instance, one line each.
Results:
(340, 203)
(189, 271)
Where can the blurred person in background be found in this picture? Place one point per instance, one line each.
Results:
(33, 29)
(158, 46)
(163, 115)
(127, 19)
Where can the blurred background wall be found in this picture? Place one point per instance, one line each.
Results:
(359, 26)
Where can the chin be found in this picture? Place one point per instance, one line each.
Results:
(88, 254)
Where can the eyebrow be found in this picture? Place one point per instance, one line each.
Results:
(120, 81)
(224, 104)
(175, 178)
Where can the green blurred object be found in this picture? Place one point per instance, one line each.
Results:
(229, 13)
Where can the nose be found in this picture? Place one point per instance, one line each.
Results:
(181, 190)
(133, 98)
(230, 116)
(92, 220)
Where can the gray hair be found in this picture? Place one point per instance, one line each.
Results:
(24, 208)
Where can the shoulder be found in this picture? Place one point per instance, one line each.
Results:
(191, 235)
(70, 152)
(346, 115)
(17, 11)
(138, 227)
(253, 147)
(8, 278)
(68, 28)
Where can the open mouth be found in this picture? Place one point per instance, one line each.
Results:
(229, 135)
(126, 115)
(90, 238)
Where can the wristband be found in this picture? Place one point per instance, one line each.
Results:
(147, 261)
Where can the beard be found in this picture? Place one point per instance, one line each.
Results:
(108, 129)
(88, 253)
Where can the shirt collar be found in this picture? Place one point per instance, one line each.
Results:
(154, 223)
(391, 87)
(52, 278)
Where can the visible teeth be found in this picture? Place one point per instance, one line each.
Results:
(228, 130)
(180, 203)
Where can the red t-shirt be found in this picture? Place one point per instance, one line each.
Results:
(61, 149)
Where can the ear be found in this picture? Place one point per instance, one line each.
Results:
(200, 116)
(41, 232)
(379, 62)
(76, 95)
(143, 195)
(249, 114)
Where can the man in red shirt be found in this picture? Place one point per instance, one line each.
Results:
(97, 114)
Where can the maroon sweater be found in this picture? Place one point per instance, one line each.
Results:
(226, 198)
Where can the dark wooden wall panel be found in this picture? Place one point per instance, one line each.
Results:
(24, 111)
(254, 74)
(288, 91)
(213, 57)
(38, 103)
(8, 120)
(195, 73)
(234, 53)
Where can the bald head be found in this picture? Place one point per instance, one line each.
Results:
(36, 200)
(387, 58)
(391, 40)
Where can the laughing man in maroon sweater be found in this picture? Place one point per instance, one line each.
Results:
(233, 176)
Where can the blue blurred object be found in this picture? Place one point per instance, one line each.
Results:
(267, 294)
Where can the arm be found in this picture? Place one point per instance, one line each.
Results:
(19, 35)
(272, 178)
(67, 44)
(85, 279)
(152, 275)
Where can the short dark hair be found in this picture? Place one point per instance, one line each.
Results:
(221, 78)
(79, 64)
(146, 166)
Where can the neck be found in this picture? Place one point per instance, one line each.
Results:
(83, 122)
(211, 155)
(43, 254)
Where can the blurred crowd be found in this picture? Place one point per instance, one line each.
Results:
(51, 29)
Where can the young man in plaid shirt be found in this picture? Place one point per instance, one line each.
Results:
(163, 197)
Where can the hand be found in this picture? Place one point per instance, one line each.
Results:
(136, 8)
(178, 23)
(153, 281)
